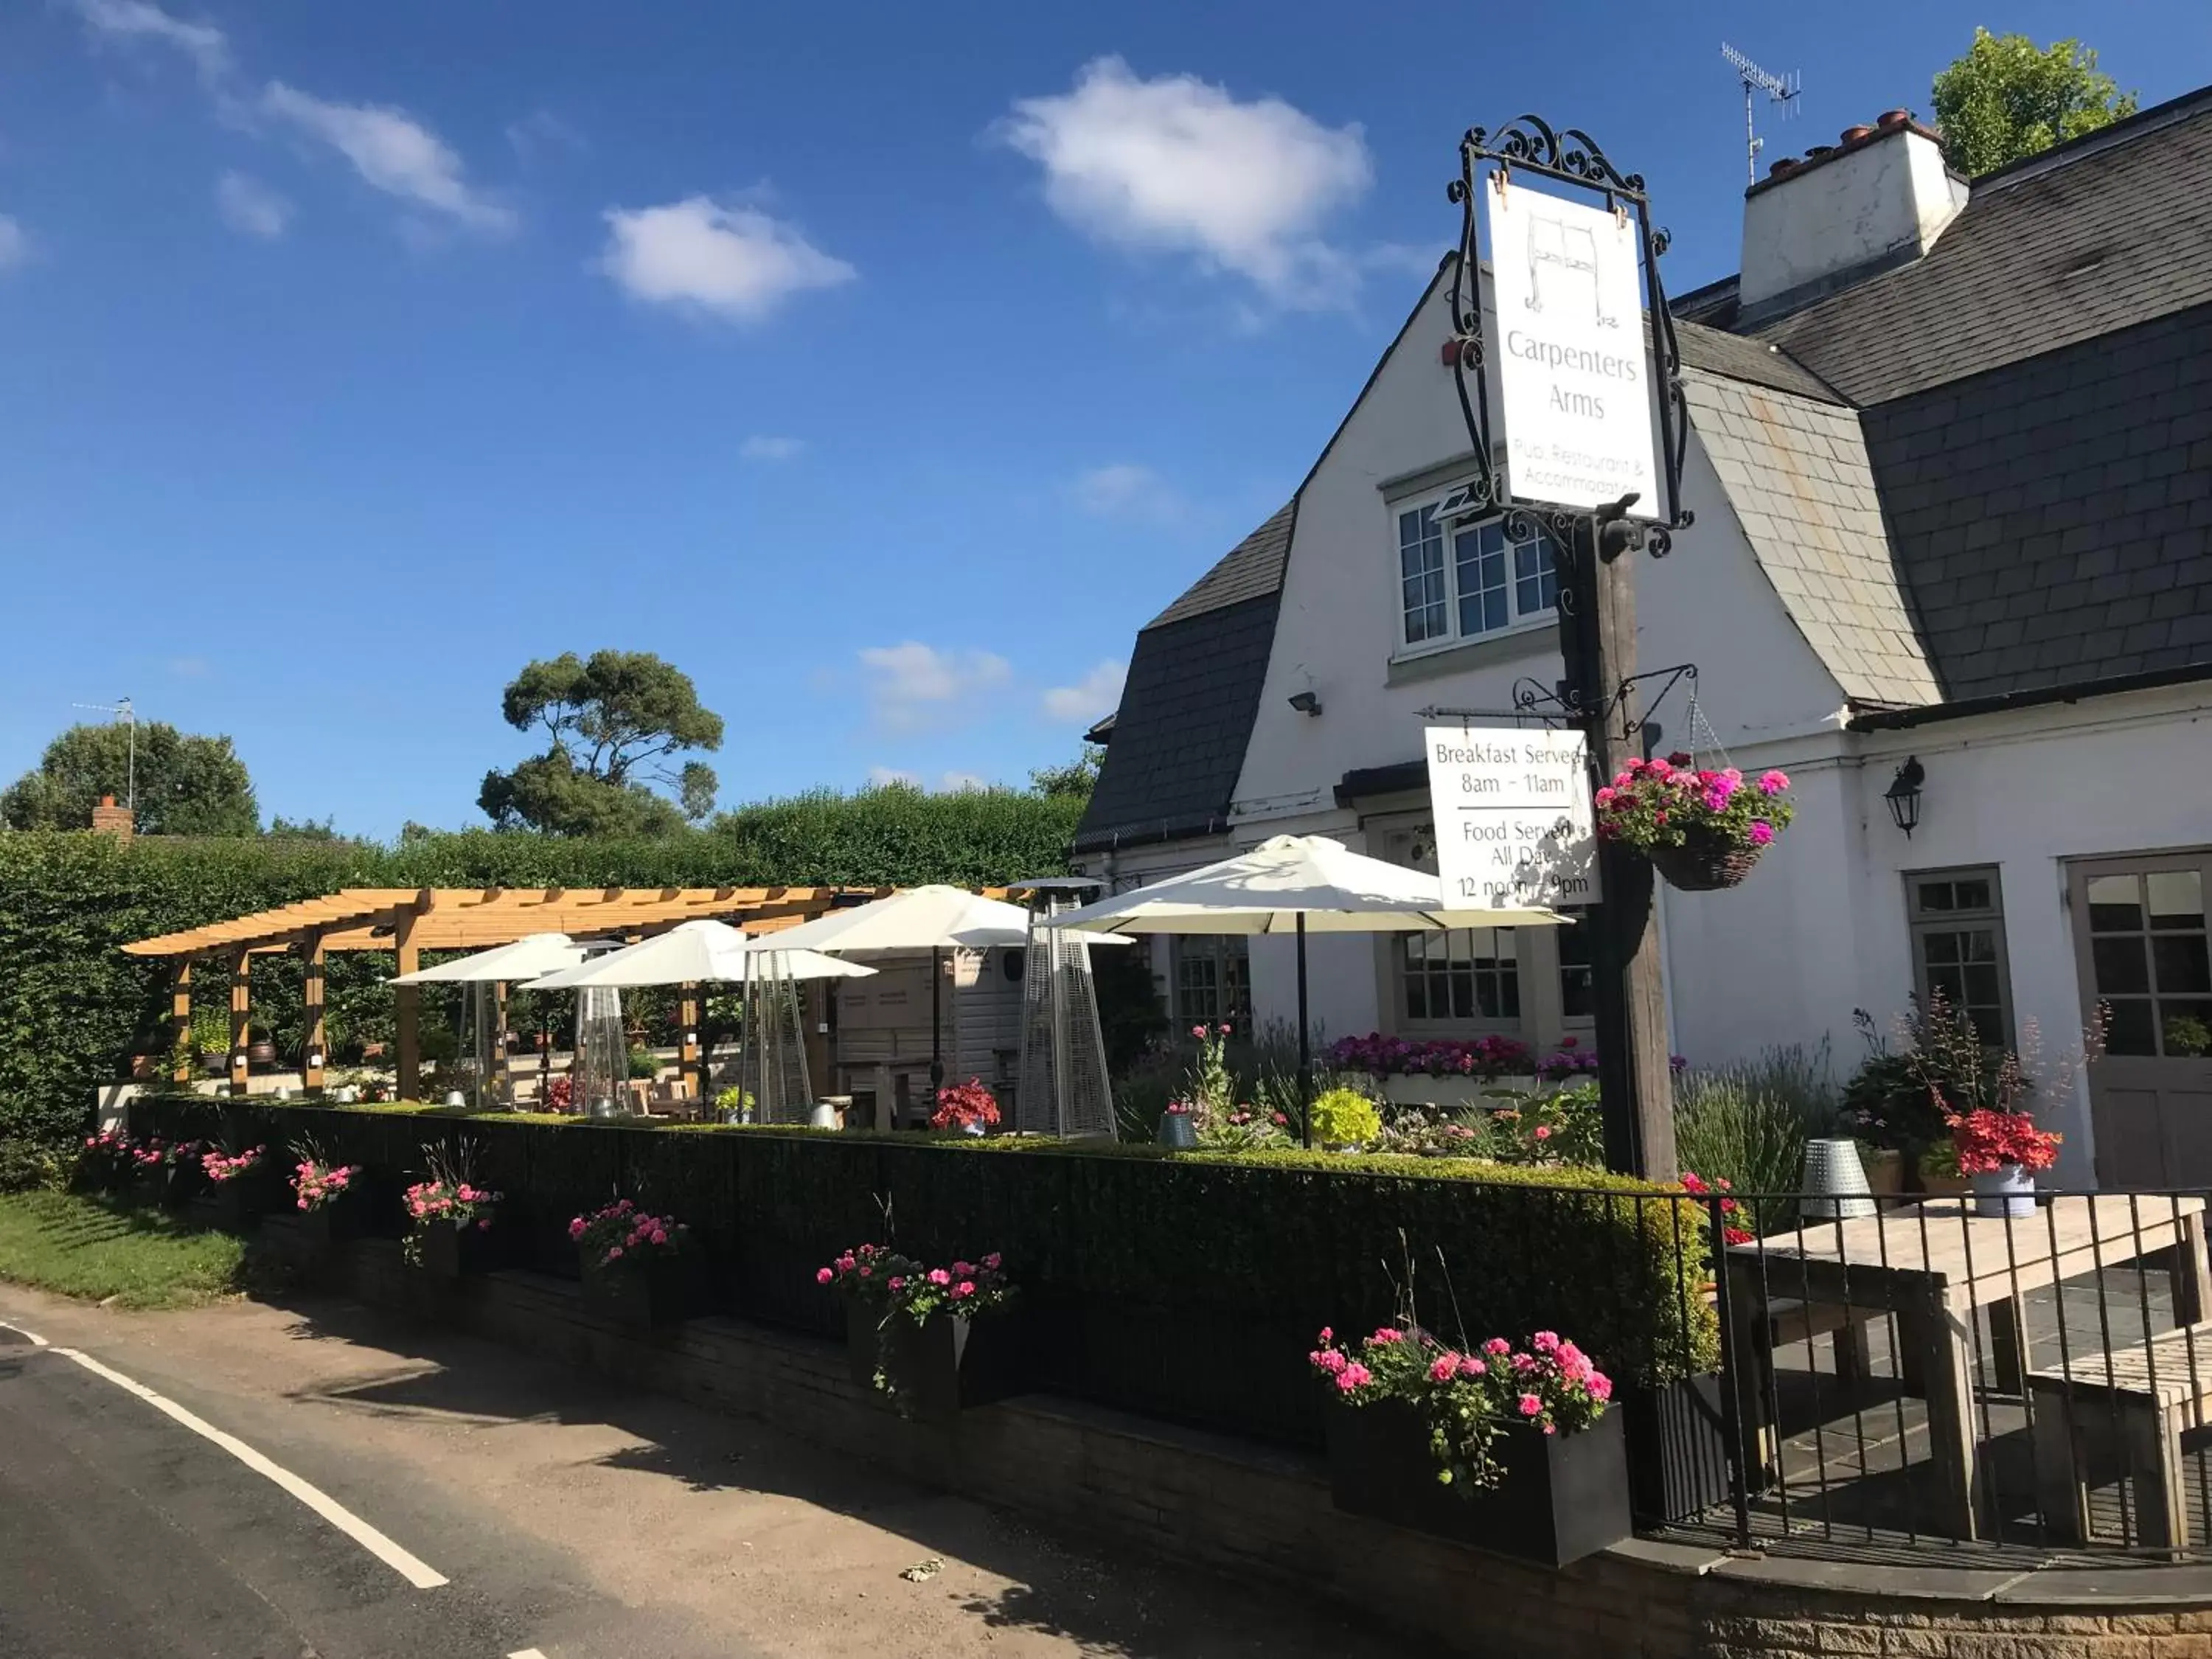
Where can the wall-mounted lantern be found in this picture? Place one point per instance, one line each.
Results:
(1904, 795)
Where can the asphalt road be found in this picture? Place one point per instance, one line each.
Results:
(411, 1493)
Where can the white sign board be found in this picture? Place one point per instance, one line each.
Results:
(1573, 378)
(1514, 823)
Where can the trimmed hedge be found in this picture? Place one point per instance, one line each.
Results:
(73, 1008)
(1187, 1285)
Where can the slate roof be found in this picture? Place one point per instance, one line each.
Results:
(2099, 235)
(1759, 362)
(1797, 476)
(1253, 567)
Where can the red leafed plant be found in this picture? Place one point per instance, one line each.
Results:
(1989, 1140)
(963, 1105)
(1732, 1227)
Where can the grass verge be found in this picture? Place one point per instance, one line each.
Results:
(87, 1247)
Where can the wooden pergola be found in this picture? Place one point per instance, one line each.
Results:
(409, 920)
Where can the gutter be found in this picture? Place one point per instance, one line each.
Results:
(1113, 841)
(1900, 720)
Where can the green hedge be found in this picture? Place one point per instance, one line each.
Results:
(1186, 1284)
(73, 1008)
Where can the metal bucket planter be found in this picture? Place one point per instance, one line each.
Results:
(1562, 1497)
(950, 1364)
(2009, 1191)
(651, 1293)
(1176, 1131)
(1703, 864)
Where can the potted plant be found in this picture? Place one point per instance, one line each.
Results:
(644, 1067)
(234, 1183)
(734, 1105)
(166, 1173)
(1508, 1449)
(935, 1340)
(449, 1219)
(1701, 829)
(2000, 1152)
(631, 1263)
(968, 1107)
(260, 1049)
(323, 1194)
(1178, 1131)
(1344, 1119)
(105, 1164)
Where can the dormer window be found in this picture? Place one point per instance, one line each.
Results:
(1466, 579)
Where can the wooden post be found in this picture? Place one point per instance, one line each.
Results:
(180, 1022)
(687, 1041)
(500, 1092)
(241, 1017)
(408, 1009)
(312, 1054)
(1597, 639)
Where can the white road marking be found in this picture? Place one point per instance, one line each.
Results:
(526, 1653)
(409, 1567)
(31, 1336)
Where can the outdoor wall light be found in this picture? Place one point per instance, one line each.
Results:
(1904, 795)
(1306, 703)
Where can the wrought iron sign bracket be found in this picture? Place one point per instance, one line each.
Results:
(1559, 706)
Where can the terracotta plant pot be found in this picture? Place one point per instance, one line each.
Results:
(1562, 1496)
(1885, 1171)
(262, 1052)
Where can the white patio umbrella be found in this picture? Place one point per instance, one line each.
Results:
(928, 918)
(525, 959)
(1293, 884)
(691, 952)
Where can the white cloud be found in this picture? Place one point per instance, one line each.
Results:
(1123, 491)
(1096, 695)
(911, 685)
(391, 151)
(732, 261)
(1178, 165)
(542, 133)
(139, 20)
(15, 244)
(251, 208)
(763, 447)
(889, 777)
(962, 783)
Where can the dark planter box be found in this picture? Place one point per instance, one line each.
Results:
(327, 1224)
(654, 1292)
(230, 1206)
(449, 1251)
(171, 1186)
(946, 1366)
(1680, 1466)
(1563, 1497)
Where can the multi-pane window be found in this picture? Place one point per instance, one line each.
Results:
(1213, 979)
(1958, 947)
(1577, 984)
(2147, 949)
(1467, 580)
(1466, 974)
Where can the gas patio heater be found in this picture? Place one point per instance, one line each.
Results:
(485, 972)
(1293, 884)
(1065, 1090)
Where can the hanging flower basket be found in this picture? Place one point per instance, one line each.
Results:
(1703, 863)
(1702, 830)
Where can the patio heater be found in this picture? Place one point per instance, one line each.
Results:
(601, 1064)
(1064, 1091)
(772, 1055)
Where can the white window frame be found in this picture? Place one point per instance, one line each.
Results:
(1517, 620)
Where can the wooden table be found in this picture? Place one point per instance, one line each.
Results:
(1933, 1264)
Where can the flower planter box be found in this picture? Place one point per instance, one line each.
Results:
(230, 1206)
(1453, 1088)
(169, 1187)
(326, 1225)
(1684, 1420)
(942, 1368)
(652, 1293)
(449, 1251)
(1562, 1496)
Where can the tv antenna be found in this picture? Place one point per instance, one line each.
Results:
(1782, 89)
(122, 710)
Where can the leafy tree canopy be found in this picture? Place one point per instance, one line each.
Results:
(187, 785)
(2008, 98)
(1077, 777)
(614, 723)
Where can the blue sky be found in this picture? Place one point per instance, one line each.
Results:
(883, 367)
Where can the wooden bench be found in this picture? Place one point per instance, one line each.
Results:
(2105, 1410)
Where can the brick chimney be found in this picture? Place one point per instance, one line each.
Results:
(1846, 211)
(109, 819)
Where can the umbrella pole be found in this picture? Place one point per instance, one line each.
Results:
(936, 1029)
(1305, 1044)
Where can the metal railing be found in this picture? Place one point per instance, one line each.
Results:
(1920, 1375)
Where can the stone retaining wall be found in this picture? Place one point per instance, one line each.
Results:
(1197, 1498)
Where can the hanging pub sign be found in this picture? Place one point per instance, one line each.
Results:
(1575, 405)
(1513, 816)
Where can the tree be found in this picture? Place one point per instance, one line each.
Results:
(2006, 99)
(1075, 777)
(614, 723)
(187, 785)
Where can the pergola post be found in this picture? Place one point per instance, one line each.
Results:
(687, 1041)
(311, 1057)
(241, 1016)
(408, 1010)
(498, 1077)
(180, 1022)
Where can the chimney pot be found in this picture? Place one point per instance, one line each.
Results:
(1891, 119)
(1783, 168)
(1820, 150)
(108, 801)
(1852, 135)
